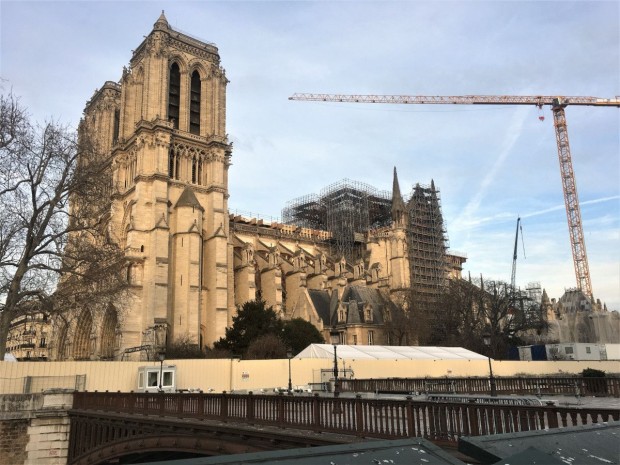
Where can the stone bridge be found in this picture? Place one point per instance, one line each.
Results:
(104, 428)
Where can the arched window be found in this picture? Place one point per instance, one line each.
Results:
(194, 171)
(194, 104)
(171, 162)
(174, 95)
(116, 127)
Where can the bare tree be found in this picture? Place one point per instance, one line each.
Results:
(462, 314)
(507, 314)
(398, 326)
(55, 249)
(455, 319)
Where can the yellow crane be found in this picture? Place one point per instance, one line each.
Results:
(571, 201)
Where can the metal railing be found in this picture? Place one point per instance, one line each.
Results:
(608, 386)
(356, 416)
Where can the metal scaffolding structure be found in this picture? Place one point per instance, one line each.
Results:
(347, 209)
(428, 242)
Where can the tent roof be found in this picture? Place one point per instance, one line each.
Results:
(359, 352)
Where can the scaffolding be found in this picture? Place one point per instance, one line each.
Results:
(347, 209)
(428, 243)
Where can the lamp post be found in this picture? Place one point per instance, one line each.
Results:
(161, 355)
(289, 355)
(236, 358)
(334, 336)
(486, 337)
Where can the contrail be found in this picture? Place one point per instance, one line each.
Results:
(562, 207)
(514, 132)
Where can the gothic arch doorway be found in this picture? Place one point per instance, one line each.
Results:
(81, 344)
(108, 333)
(61, 340)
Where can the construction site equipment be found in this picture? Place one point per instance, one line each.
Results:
(346, 209)
(427, 243)
(514, 255)
(571, 201)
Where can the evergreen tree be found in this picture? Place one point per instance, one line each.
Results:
(298, 334)
(253, 319)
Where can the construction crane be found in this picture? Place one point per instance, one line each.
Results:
(571, 201)
(514, 256)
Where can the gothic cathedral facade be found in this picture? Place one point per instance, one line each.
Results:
(191, 263)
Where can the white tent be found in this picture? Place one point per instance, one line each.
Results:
(389, 352)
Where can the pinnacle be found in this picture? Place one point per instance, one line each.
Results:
(162, 22)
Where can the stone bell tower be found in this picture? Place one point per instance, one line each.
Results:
(166, 131)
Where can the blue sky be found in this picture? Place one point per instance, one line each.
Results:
(491, 164)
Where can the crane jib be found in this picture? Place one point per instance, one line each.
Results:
(537, 100)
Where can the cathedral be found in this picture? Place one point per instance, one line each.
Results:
(338, 260)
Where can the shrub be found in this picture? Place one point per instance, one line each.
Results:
(592, 373)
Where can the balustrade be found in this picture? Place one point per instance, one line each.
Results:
(608, 386)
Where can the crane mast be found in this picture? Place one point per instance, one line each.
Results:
(514, 258)
(571, 201)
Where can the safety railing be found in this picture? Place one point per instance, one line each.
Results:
(608, 386)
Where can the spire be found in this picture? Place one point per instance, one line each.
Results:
(433, 190)
(398, 206)
(162, 22)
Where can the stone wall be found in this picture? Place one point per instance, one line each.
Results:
(34, 428)
(16, 412)
(13, 441)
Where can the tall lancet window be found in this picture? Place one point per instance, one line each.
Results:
(174, 95)
(194, 104)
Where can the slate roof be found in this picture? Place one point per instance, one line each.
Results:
(412, 451)
(364, 295)
(320, 300)
(578, 445)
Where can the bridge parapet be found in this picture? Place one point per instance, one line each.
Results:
(380, 418)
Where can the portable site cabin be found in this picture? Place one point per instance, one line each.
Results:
(576, 351)
(155, 378)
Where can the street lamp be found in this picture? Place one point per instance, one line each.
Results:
(289, 354)
(334, 336)
(161, 355)
(486, 337)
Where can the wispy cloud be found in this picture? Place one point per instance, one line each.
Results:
(467, 218)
